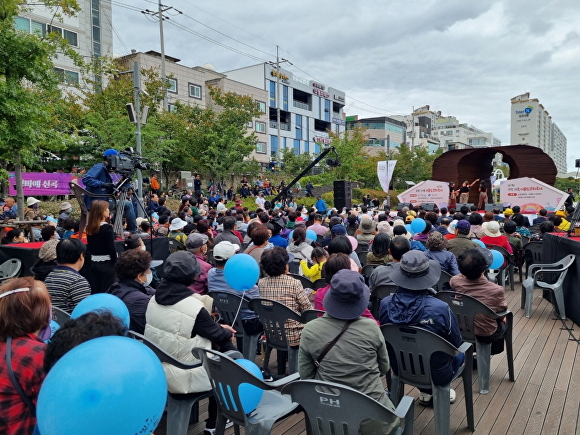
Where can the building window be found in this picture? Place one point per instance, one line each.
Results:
(250, 124)
(272, 94)
(68, 77)
(296, 146)
(274, 146)
(298, 126)
(171, 108)
(194, 90)
(261, 147)
(260, 127)
(172, 86)
(261, 106)
(22, 24)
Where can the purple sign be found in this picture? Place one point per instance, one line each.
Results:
(43, 184)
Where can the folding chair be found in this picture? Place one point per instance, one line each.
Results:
(181, 408)
(413, 348)
(329, 406)
(465, 308)
(561, 268)
(229, 306)
(10, 269)
(60, 316)
(379, 293)
(226, 376)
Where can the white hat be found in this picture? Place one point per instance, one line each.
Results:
(31, 201)
(224, 250)
(177, 224)
(140, 220)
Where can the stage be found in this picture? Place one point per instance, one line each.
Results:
(556, 247)
(27, 253)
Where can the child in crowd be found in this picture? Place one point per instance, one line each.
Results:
(318, 257)
(69, 228)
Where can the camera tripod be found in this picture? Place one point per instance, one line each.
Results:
(122, 187)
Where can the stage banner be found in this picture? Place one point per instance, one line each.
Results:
(43, 183)
(385, 175)
(531, 195)
(429, 191)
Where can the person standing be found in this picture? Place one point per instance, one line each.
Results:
(197, 185)
(309, 188)
(464, 191)
(570, 200)
(101, 245)
(482, 195)
(452, 196)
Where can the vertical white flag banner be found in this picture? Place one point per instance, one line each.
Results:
(385, 175)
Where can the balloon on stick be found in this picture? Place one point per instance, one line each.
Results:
(497, 259)
(418, 225)
(103, 301)
(242, 272)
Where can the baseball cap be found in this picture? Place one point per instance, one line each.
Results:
(225, 250)
(463, 225)
(195, 240)
(110, 152)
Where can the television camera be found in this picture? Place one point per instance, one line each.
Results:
(126, 163)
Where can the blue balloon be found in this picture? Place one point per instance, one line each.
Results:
(409, 229)
(289, 235)
(497, 259)
(242, 272)
(479, 242)
(418, 225)
(250, 395)
(310, 235)
(108, 385)
(103, 301)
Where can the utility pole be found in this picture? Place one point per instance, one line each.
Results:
(388, 158)
(159, 14)
(137, 96)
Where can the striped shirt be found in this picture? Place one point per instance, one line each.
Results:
(67, 288)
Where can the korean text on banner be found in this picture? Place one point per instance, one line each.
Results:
(42, 183)
(425, 192)
(385, 173)
(531, 195)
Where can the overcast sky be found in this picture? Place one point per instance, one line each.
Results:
(465, 58)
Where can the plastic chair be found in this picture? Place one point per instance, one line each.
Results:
(380, 292)
(362, 257)
(229, 305)
(509, 264)
(226, 376)
(367, 270)
(175, 245)
(309, 315)
(273, 316)
(10, 268)
(561, 267)
(60, 316)
(329, 406)
(181, 408)
(413, 348)
(306, 283)
(465, 308)
(535, 249)
(443, 279)
(79, 194)
(319, 283)
(294, 267)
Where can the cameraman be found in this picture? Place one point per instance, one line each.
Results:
(98, 181)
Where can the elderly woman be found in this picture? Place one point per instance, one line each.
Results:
(379, 253)
(437, 250)
(24, 324)
(177, 320)
(134, 275)
(359, 358)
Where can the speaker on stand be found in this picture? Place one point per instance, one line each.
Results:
(342, 194)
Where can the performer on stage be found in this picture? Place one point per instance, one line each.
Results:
(482, 195)
(452, 196)
(464, 191)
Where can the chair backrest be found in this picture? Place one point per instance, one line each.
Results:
(225, 376)
(560, 267)
(273, 316)
(525, 240)
(506, 255)
(60, 316)
(536, 249)
(306, 283)
(443, 279)
(309, 315)
(368, 269)
(319, 283)
(413, 347)
(10, 268)
(362, 257)
(379, 293)
(229, 305)
(333, 408)
(465, 308)
(163, 356)
(534, 229)
(294, 267)
(175, 245)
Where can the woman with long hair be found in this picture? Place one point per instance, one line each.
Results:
(452, 195)
(482, 195)
(101, 245)
(379, 253)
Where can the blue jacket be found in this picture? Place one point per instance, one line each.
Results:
(417, 246)
(446, 259)
(420, 308)
(320, 206)
(94, 180)
(278, 240)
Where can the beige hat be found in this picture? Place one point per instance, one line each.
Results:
(140, 220)
(31, 201)
(384, 227)
(366, 226)
(48, 250)
(491, 229)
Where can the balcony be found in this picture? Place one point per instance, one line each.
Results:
(283, 125)
(301, 105)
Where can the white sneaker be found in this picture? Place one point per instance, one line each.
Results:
(425, 398)
(452, 396)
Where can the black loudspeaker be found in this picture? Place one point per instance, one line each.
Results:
(578, 163)
(428, 206)
(489, 207)
(342, 194)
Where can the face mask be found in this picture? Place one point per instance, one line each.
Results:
(148, 279)
(143, 248)
(69, 210)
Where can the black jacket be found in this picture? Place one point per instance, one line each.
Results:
(136, 297)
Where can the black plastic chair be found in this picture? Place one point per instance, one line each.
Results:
(362, 257)
(309, 315)
(319, 283)
(379, 293)
(509, 263)
(465, 308)
(443, 279)
(306, 283)
(273, 316)
(329, 406)
(226, 376)
(413, 348)
(367, 270)
(533, 253)
(181, 408)
(175, 245)
(229, 305)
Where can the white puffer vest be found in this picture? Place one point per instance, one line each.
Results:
(170, 326)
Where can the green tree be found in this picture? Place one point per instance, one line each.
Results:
(413, 164)
(27, 85)
(294, 163)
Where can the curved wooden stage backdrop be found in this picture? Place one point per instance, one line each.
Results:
(470, 164)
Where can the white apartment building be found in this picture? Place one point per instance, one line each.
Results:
(419, 132)
(452, 135)
(90, 32)
(531, 124)
(190, 85)
(308, 109)
(378, 130)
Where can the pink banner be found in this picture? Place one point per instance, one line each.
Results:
(42, 183)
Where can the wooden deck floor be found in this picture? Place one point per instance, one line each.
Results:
(544, 399)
